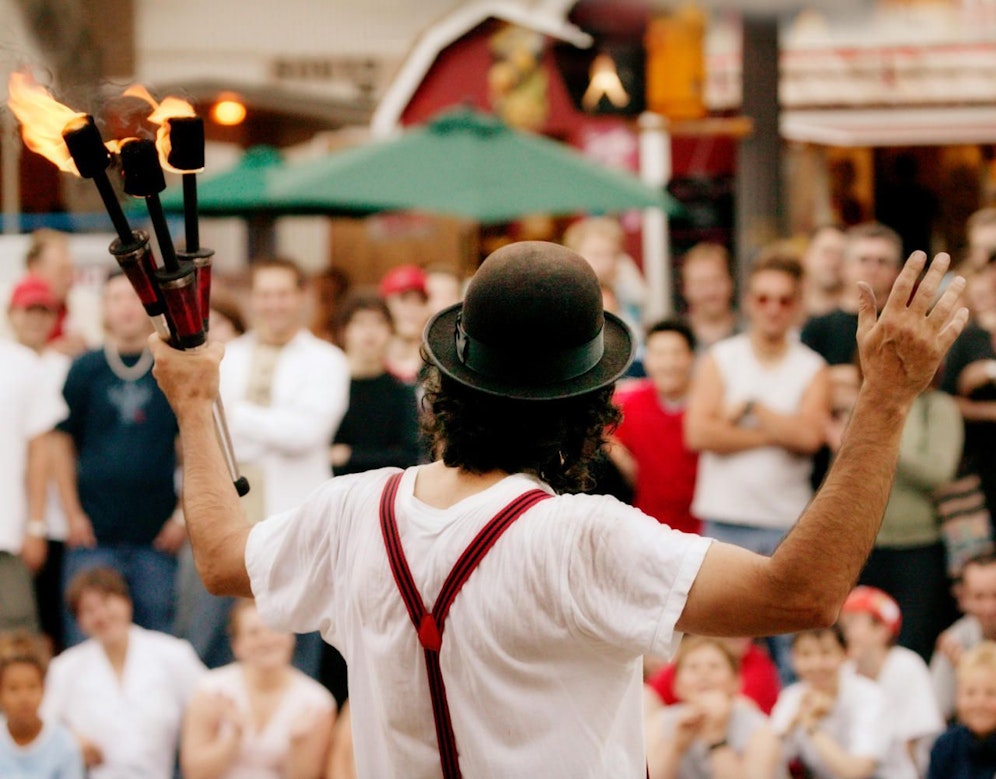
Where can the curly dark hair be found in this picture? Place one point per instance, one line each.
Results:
(555, 440)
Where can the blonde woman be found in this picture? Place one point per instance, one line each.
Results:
(258, 718)
(713, 732)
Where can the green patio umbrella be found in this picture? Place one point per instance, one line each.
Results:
(239, 191)
(463, 163)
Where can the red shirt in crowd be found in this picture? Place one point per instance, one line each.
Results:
(759, 680)
(665, 479)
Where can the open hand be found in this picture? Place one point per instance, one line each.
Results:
(901, 349)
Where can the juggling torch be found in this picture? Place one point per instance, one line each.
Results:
(176, 280)
(185, 153)
(131, 247)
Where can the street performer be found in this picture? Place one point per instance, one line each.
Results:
(536, 668)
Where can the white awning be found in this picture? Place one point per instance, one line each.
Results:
(891, 126)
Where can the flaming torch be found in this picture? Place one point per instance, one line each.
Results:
(180, 141)
(71, 140)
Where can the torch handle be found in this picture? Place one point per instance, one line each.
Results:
(161, 229)
(241, 483)
(190, 223)
(113, 207)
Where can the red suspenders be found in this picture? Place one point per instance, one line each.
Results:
(429, 625)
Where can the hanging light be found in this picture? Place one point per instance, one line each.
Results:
(605, 83)
(228, 110)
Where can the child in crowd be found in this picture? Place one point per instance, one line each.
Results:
(30, 747)
(968, 749)
(832, 721)
(871, 620)
(714, 732)
(758, 676)
(977, 598)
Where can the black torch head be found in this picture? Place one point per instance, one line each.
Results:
(186, 139)
(143, 175)
(86, 146)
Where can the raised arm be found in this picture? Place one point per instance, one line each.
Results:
(805, 581)
(216, 524)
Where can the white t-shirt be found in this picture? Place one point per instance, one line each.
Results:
(27, 409)
(542, 648)
(767, 486)
(909, 695)
(263, 753)
(134, 720)
(858, 722)
(55, 367)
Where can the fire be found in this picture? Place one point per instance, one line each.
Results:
(169, 108)
(114, 145)
(42, 119)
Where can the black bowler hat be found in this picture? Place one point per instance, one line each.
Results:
(531, 327)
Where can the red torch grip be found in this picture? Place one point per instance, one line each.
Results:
(202, 260)
(180, 295)
(138, 264)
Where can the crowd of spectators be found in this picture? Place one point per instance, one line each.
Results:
(116, 662)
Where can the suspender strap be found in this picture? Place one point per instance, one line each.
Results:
(429, 625)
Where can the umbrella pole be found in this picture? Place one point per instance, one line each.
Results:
(655, 170)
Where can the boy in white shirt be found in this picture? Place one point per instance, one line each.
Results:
(833, 721)
(871, 620)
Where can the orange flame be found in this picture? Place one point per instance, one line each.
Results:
(42, 119)
(114, 145)
(169, 108)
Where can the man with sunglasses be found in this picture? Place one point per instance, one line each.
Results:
(757, 412)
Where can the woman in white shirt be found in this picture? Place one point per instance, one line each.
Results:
(259, 717)
(123, 691)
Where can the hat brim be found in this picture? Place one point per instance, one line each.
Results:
(441, 350)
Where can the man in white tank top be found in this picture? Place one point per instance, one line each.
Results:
(757, 412)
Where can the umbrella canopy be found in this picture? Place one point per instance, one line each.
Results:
(463, 163)
(239, 191)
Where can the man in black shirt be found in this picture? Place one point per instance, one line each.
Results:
(872, 255)
(970, 375)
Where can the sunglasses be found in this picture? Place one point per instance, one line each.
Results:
(783, 301)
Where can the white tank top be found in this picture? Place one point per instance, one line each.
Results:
(768, 486)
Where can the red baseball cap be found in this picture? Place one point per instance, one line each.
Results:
(32, 292)
(404, 278)
(881, 606)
